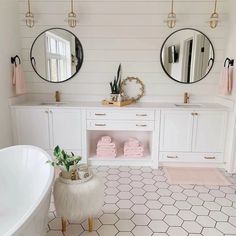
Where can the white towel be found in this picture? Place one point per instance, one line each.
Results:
(18, 79)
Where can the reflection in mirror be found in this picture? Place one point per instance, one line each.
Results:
(187, 56)
(56, 55)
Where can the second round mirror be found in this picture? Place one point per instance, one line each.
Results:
(187, 56)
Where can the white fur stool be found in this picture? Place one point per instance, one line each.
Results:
(76, 199)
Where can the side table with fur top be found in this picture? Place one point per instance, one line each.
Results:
(76, 200)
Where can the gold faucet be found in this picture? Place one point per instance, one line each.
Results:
(57, 96)
(186, 98)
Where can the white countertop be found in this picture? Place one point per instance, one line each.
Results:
(139, 105)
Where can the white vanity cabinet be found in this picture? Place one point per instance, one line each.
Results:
(209, 131)
(176, 131)
(170, 135)
(32, 127)
(48, 127)
(192, 136)
(66, 128)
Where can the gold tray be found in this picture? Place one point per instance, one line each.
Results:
(118, 104)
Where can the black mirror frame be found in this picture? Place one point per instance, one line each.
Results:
(212, 59)
(32, 59)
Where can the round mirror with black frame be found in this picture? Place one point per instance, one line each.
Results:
(187, 56)
(56, 55)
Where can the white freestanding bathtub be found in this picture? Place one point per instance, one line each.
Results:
(25, 189)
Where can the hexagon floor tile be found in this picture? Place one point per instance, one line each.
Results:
(140, 202)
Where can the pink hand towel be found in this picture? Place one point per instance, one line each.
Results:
(105, 139)
(132, 142)
(230, 80)
(226, 81)
(18, 79)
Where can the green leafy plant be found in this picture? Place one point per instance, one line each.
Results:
(64, 159)
(116, 84)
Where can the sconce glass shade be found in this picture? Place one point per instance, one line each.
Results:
(214, 19)
(171, 20)
(72, 19)
(29, 19)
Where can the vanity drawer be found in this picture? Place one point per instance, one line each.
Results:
(121, 115)
(191, 157)
(120, 125)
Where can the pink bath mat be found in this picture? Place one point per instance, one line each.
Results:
(199, 176)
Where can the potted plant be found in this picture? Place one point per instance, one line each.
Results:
(68, 163)
(116, 86)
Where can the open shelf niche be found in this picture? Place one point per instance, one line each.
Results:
(119, 138)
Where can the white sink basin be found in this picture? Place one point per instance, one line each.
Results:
(51, 103)
(188, 105)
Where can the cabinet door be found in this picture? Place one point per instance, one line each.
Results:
(66, 128)
(176, 131)
(209, 131)
(33, 127)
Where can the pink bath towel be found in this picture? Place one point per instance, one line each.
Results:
(136, 149)
(106, 151)
(106, 154)
(107, 147)
(133, 155)
(18, 79)
(133, 152)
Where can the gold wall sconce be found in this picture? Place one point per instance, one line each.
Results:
(72, 17)
(171, 18)
(29, 17)
(214, 18)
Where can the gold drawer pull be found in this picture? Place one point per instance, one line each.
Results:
(172, 157)
(100, 125)
(141, 125)
(141, 114)
(210, 158)
(100, 114)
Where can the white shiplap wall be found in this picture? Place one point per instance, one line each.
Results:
(130, 32)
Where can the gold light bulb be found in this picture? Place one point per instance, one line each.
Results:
(214, 18)
(72, 17)
(171, 18)
(29, 17)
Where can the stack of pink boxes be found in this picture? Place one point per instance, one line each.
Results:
(133, 148)
(106, 148)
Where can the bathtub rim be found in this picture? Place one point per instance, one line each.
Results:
(30, 212)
